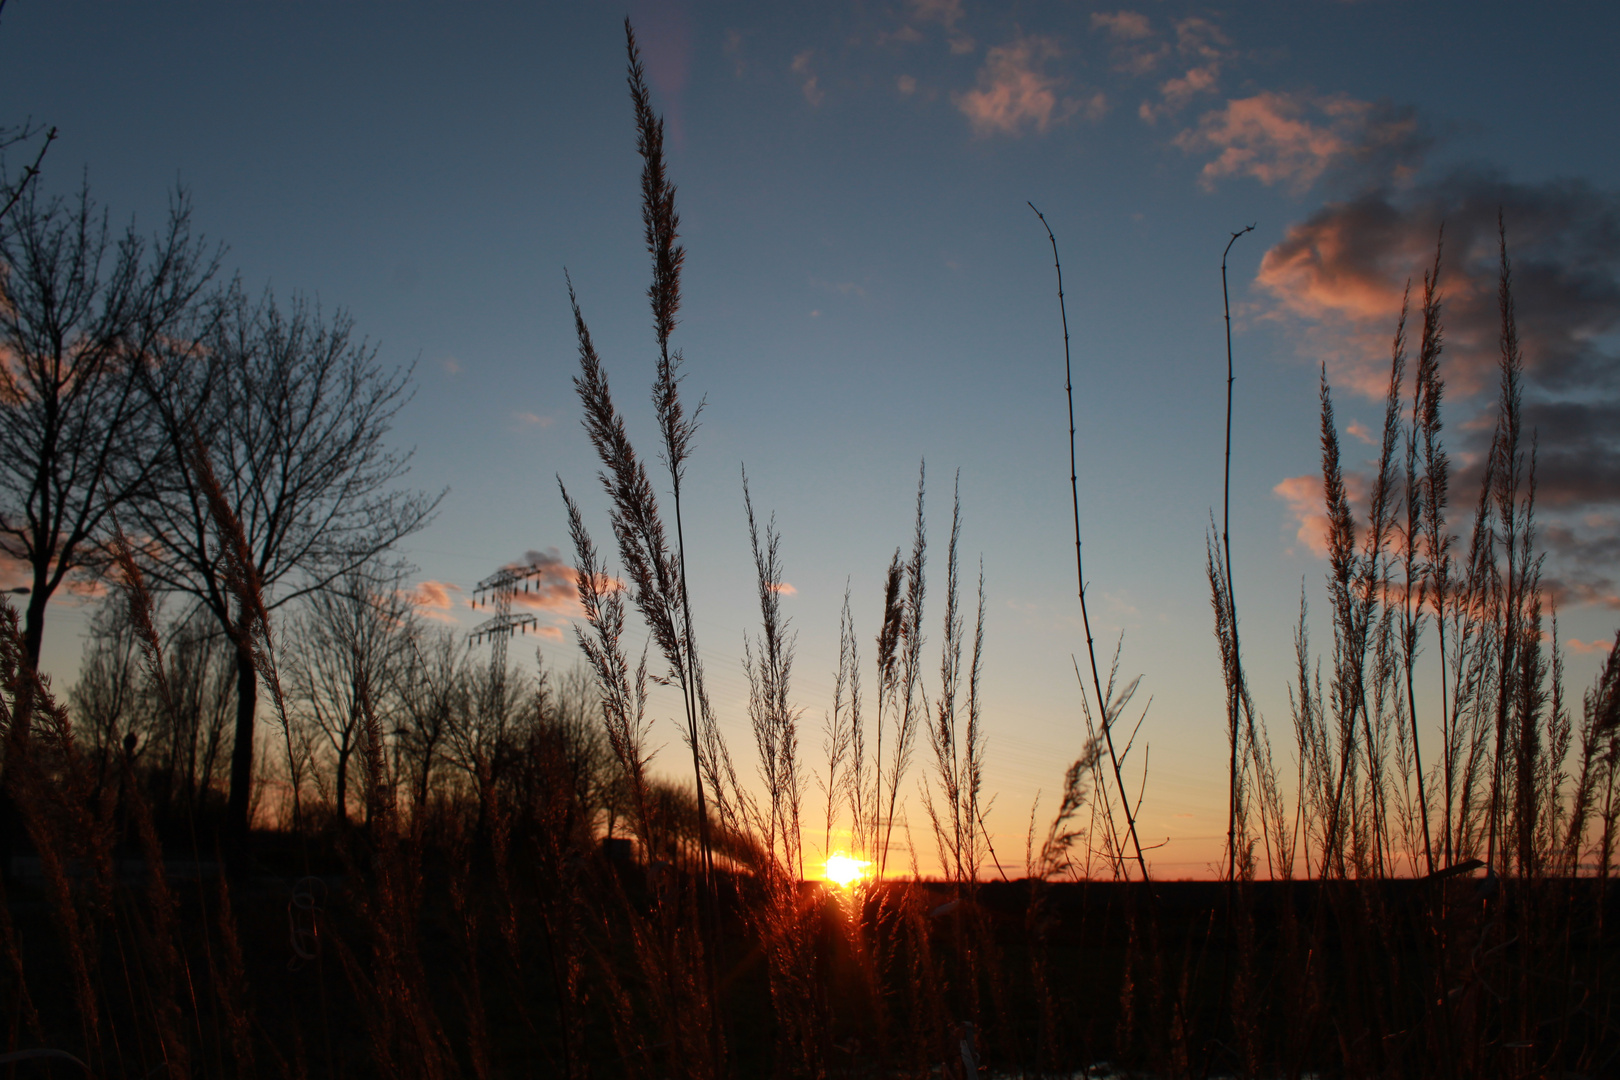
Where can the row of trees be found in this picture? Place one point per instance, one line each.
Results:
(451, 730)
(139, 389)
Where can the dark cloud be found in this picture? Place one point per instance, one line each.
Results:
(1577, 453)
(1337, 278)
(1584, 555)
(1346, 265)
(553, 587)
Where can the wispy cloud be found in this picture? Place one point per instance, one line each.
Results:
(1203, 47)
(1015, 93)
(1293, 140)
(948, 13)
(435, 600)
(1599, 645)
(1307, 506)
(784, 589)
(809, 85)
(1122, 25)
(1135, 48)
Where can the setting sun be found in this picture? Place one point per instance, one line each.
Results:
(844, 871)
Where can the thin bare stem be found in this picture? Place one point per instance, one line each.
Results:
(1079, 569)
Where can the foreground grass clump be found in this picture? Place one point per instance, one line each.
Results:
(477, 874)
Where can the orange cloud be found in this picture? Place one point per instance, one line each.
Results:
(1201, 44)
(1292, 140)
(434, 600)
(1303, 494)
(784, 589)
(14, 573)
(1335, 282)
(1122, 25)
(1136, 48)
(1307, 507)
(1337, 278)
(1015, 93)
(552, 585)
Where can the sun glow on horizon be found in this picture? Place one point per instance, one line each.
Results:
(844, 870)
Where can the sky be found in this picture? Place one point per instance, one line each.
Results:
(866, 289)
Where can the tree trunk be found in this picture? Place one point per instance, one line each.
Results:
(247, 700)
(34, 622)
(343, 783)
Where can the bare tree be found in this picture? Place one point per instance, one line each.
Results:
(179, 737)
(433, 690)
(81, 318)
(294, 416)
(351, 640)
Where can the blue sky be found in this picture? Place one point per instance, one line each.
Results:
(865, 288)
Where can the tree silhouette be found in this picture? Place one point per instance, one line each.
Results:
(292, 412)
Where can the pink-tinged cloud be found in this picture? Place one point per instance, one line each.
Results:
(1179, 91)
(664, 34)
(1201, 46)
(946, 12)
(1122, 25)
(1201, 38)
(435, 600)
(1598, 645)
(1303, 494)
(784, 589)
(1293, 140)
(1014, 93)
(1360, 431)
(1308, 508)
(551, 585)
(14, 573)
(1335, 283)
(1134, 46)
(809, 85)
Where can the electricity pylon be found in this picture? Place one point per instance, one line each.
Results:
(499, 589)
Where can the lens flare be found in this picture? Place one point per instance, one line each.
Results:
(844, 871)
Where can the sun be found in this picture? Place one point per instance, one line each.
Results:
(844, 871)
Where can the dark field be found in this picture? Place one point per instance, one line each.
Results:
(473, 970)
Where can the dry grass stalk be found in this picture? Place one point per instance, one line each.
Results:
(1080, 576)
(907, 699)
(70, 828)
(958, 750)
